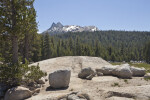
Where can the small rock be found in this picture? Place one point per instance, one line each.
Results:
(60, 78)
(86, 72)
(18, 93)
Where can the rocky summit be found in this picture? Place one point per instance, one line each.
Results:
(58, 28)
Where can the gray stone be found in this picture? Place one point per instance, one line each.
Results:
(73, 97)
(123, 71)
(18, 93)
(85, 72)
(138, 71)
(106, 70)
(78, 96)
(84, 96)
(59, 78)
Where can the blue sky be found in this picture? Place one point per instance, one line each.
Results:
(105, 14)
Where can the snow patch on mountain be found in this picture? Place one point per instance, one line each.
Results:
(58, 28)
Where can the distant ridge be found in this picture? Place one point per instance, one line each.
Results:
(58, 28)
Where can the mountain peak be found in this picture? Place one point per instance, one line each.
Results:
(58, 28)
(59, 24)
(54, 25)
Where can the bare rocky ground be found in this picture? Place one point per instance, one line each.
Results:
(99, 88)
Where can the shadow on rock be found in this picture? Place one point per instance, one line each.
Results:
(54, 89)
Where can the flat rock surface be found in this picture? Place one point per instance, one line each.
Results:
(97, 88)
(119, 98)
(75, 63)
(105, 79)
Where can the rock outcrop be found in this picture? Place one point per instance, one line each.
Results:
(122, 71)
(106, 70)
(59, 78)
(138, 71)
(18, 93)
(86, 73)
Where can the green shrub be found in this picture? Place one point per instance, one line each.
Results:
(34, 73)
(18, 74)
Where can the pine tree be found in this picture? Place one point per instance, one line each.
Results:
(47, 47)
(147, 52)
(42, 48)
(36, 48)
(12, 22)
(30, 29)
(97, 49)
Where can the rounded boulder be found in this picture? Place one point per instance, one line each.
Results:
(18, 93)
(86, 73)
(123, 71)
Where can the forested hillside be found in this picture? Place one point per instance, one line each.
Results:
(110, 45)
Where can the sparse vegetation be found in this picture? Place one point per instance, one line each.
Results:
(146, 79)
(17, 74)
(115, 84)
(140, 65)
(117, 63)
(126, 81)
(71, 89)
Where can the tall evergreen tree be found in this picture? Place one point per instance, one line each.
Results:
(147, 52)
(12, 18)
(30, 29)
(47, 47)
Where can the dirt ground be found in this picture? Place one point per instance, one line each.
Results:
(99, 88)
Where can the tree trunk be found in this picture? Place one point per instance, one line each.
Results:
(14, 49)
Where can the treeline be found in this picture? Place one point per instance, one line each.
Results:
(110, 45)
